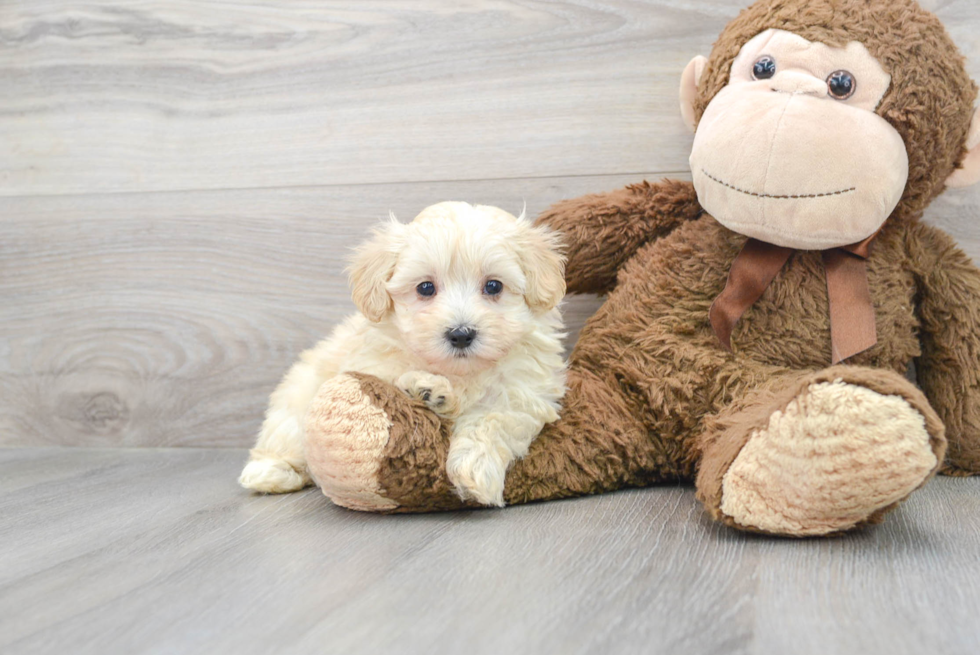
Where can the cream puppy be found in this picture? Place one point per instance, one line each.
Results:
(457, 308)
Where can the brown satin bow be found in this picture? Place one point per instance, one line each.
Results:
(852, 315)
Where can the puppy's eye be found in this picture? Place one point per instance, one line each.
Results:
(493, 287)
(426, 289)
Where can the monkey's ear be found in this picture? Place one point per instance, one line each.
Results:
(968, 173)
(689, 89)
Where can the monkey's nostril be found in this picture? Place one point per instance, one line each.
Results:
(461, 337)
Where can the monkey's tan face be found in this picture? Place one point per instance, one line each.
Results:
(791, 152)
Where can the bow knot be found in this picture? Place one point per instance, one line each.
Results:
(852, 315)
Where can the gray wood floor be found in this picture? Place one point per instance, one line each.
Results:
(146, 550)
(180, 183)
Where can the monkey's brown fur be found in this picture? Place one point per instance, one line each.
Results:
(652, 396)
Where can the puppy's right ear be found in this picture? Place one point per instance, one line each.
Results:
(371, 267)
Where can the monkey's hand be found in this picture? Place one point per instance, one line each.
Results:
(948, 371)
(603, 230)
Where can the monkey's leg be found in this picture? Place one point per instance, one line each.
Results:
(372, 448)
(821, 452)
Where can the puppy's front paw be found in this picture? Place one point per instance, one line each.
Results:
(433, 390)
(477, 469)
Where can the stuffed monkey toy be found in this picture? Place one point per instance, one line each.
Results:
(759, 322)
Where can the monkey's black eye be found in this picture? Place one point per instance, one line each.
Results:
(841, 85)
(764, 68)
(493, 287)
(426, 289)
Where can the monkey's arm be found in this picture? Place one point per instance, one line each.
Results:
(603, 230)
(949, 367)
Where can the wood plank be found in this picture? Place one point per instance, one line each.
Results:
(166, 319)
(103, 96)
(158, 551)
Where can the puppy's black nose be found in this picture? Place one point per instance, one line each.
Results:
(461, 337)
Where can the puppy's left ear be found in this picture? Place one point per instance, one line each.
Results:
(539, 251)
(371, 268)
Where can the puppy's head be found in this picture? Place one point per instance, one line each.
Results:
(462, 284)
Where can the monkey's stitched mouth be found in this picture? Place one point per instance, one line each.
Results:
(766, 195)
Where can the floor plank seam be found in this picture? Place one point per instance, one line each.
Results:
(147, 192)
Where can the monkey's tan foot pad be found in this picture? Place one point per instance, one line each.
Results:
(834, 457)
(371, 448)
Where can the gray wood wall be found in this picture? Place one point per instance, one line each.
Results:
(180, 181)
